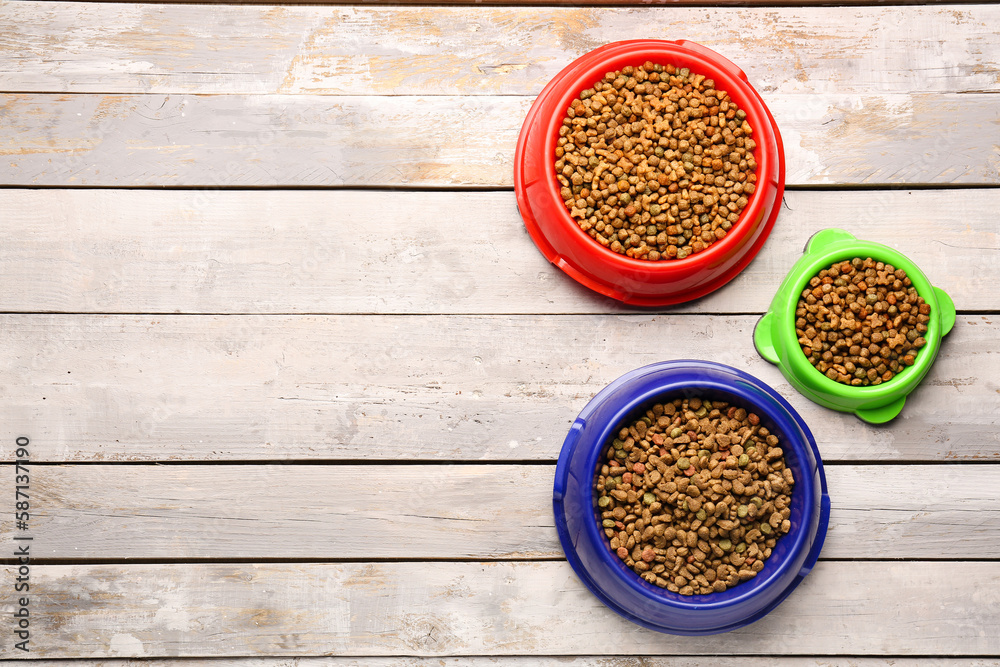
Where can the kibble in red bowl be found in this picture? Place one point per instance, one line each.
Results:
(655, 162)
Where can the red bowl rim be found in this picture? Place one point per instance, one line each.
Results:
(583, 73)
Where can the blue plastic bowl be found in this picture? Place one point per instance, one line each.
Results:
(587, 549)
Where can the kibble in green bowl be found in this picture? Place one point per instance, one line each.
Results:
(861, 321)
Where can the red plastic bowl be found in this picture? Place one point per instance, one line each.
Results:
(633, 281)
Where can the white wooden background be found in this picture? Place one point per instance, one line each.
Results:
(295, 376)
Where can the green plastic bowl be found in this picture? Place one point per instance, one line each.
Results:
(776, 341)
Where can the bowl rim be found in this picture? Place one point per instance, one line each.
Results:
(634, 281)
(800, 554)
(799, 277)
(775, 340)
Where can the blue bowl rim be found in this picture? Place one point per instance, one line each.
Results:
(746, 389)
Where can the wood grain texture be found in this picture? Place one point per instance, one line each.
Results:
(364, 50)
(220, 141)
(221, 251)
(217, 388)
(322, 328)
(440, 609)
(255, 512)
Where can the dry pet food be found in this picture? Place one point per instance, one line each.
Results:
(654, 162)
(860, 322)
(694, 495)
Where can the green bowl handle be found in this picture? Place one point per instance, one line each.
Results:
(826, 237)
(946, 310)
(763, 339)
(882, 414)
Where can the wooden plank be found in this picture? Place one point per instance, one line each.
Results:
(114, 512)
(143, 48)
(441, 609)
(125, 388)
(316, 141)
(412, 252)
(281, 512)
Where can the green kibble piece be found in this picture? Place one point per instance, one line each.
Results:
(618, 444)
(702, 411)
(758, 502)
(742, 511)
(701, 515)
(676, 433)
(621, 455)
(741, 547)
(610, 485)
(655, 210)
(647, 420)
(744, 460)
(765, 528)
(726, 544)
(603, 501)
(704, 452)
(648, 498)
(608, 523)
(683, 463)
